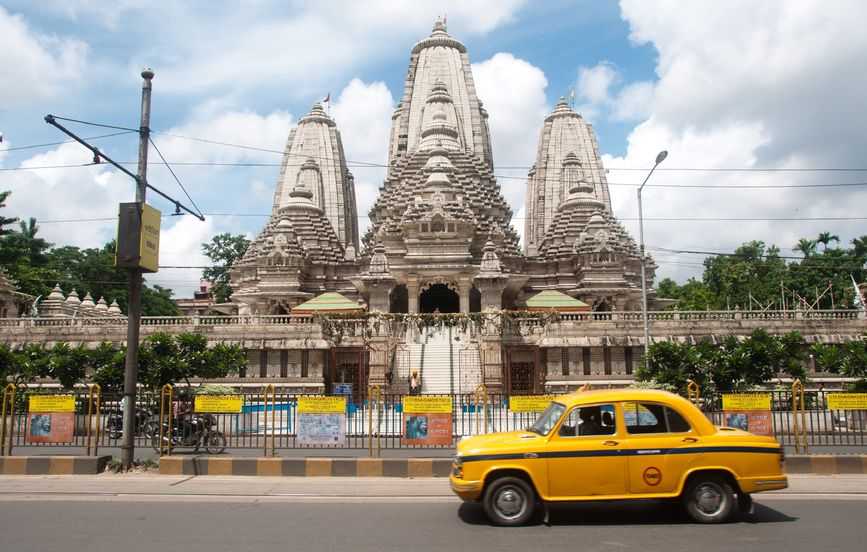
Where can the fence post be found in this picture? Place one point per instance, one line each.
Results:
(799, 407)
(166, 419)
(269, 391)
(94, 397)
(693, 392)
(481, 394)
(8, 397)
(374, 398)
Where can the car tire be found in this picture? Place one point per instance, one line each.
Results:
(509, 501)
(709, 499)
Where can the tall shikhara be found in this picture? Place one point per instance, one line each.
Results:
(440, 235)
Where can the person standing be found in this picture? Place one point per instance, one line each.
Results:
(414, 383)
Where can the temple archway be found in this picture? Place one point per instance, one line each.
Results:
(475, 300)
(399, 299)
(439, 298)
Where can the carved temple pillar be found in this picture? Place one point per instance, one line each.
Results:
(412, 295)
(464, 288)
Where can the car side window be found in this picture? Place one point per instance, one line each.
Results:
(644, 418)
(588, 421)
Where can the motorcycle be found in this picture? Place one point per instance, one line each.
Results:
(191, 430)
(145, 423)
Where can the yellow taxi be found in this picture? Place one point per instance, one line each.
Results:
(615, 445)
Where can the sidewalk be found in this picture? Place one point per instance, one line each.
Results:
(143, 486)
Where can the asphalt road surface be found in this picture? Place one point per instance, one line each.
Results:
(360, 524)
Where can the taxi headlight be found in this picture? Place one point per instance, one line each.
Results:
(458, 467)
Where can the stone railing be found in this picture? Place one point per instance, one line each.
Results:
(284, 331)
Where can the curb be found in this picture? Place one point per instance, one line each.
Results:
(53, 465)
(827, 464)
(306, 467)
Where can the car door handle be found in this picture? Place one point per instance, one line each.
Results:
(689, 440)
(610, 443)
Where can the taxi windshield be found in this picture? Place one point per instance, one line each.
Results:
(547, 419)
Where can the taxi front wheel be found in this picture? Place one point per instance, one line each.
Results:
(509, 501)
(709, 499)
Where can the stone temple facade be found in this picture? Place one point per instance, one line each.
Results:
(440, 235)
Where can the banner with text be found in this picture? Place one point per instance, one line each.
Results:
(219, 404)
(50, 427)
(747, 401)
(427, 421)
(529, 403)
(52, 403)
(847, 401)
(321, 421)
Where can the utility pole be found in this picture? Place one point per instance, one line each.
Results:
(659, 159)
(130, 378)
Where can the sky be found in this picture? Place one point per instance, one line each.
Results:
(774, 89)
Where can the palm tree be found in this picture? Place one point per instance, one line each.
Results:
(827, 237)
(860, 246)
(5, 220)
(805, 246)
(34, 246)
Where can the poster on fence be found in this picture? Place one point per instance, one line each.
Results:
(321, 421)
(529, 403)
(50, 419)
(749, 412)
(219, 404)
(427, 421)
(847, 401)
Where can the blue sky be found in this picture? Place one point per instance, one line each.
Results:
(720, 85)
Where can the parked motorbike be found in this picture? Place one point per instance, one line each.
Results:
(191, 430)
(145, 423)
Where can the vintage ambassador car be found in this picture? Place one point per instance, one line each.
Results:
(615, 445)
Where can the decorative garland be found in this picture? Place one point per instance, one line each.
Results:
(337, 326)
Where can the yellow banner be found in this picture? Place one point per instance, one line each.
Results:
(747, 401)
(219, 404)
(321, 405)
(149, 247)
(52, 403)
(529, 403)
(427, 405)
(847, 401)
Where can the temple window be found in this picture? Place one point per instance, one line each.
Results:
(437, 225)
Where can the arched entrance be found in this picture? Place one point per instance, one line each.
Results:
(399, 299)
(439, 297)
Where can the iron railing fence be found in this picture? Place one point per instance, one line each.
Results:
(470, 416)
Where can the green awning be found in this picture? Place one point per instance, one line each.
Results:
(327, 302)
(557, 301)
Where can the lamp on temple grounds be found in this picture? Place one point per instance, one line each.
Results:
(660, 157)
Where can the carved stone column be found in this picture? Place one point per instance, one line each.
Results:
(412, 294)
(464, 291)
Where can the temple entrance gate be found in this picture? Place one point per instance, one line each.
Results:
(440, 298)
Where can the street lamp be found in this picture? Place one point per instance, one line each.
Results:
(660, 157)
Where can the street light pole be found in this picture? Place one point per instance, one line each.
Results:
(659, 159)
(130, 379)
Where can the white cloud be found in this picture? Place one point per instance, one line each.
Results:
(633, 102)
(513, 92)
(740, 85)
(36, 66)
(594, 82)
(307, 46)
(363, 115)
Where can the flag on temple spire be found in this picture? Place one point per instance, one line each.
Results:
(572, 98)
(327, 98)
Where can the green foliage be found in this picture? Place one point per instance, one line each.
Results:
(5, 221)
(734, 365)
(165, 358)
(223, 251)
(108, 367)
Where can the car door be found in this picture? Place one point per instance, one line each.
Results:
(584, 455)
(658, 445)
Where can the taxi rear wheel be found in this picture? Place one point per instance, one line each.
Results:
(709, 499)
(509, 501)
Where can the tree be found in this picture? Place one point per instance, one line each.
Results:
(827, 237)
(223, 251)
(805, 246)
(751, 274)
(5, 221)
(107, 363)
(166, 358)
(859, 247)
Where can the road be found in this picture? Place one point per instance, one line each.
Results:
(147, 513)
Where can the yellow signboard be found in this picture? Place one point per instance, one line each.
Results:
(52, 403)
(529, 403)
(747, 401)
(321, 405)
(847, 401)
(219, 404)
(149, 248)
(427, 405)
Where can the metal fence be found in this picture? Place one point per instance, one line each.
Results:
(383, 421)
